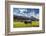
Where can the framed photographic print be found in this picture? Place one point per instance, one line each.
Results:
(24, 18)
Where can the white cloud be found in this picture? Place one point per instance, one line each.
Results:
(21, 13)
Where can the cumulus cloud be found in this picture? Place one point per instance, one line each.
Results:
(26, 12)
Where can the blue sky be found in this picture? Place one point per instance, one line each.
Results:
(28, 12)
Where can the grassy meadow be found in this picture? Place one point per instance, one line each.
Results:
(18, 24)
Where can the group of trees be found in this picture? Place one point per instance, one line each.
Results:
(25, 19)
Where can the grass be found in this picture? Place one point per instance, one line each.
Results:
(22, 24)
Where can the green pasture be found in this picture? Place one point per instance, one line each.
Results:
(19, 24)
